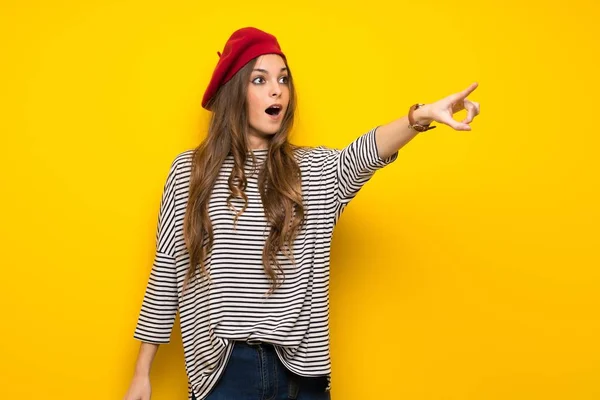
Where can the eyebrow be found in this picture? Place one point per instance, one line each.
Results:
(264, 71)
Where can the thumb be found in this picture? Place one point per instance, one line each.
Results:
(459, 126)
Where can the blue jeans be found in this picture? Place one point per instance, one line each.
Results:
(254, 372)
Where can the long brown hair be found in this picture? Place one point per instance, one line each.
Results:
(279, 180)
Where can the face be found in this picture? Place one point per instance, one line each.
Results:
(268, 99)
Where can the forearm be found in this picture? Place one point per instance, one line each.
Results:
(393, 136)
(145, 358)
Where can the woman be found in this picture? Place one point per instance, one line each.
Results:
(244, 232)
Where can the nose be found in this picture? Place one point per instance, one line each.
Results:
(275, 90)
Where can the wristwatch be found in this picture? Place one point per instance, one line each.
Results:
(411, 121)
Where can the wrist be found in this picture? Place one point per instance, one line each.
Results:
(141, 375)
(421, 115)
(141, 371)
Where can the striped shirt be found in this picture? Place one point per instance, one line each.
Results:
(233, 305)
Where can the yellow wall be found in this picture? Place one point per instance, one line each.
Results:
(469, 269)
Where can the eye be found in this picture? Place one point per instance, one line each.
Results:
(256, 80)
(284, 79)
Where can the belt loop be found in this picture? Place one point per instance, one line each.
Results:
(293, 387)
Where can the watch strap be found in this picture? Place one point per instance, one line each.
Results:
(411, 121)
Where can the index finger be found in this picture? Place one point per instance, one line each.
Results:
(467, 91)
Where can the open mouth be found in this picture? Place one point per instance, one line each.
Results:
(274, 110)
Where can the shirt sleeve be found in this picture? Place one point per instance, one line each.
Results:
(355, 165)
(345, 171)
(159, 306)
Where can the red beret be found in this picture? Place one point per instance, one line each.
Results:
(242, 46)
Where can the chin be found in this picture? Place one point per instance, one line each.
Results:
(267, 130)
(272, 132)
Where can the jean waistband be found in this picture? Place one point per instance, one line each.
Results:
(254, 344)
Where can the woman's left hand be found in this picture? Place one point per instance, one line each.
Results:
(442, 111)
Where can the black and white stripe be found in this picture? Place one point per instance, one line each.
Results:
(233, 305)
